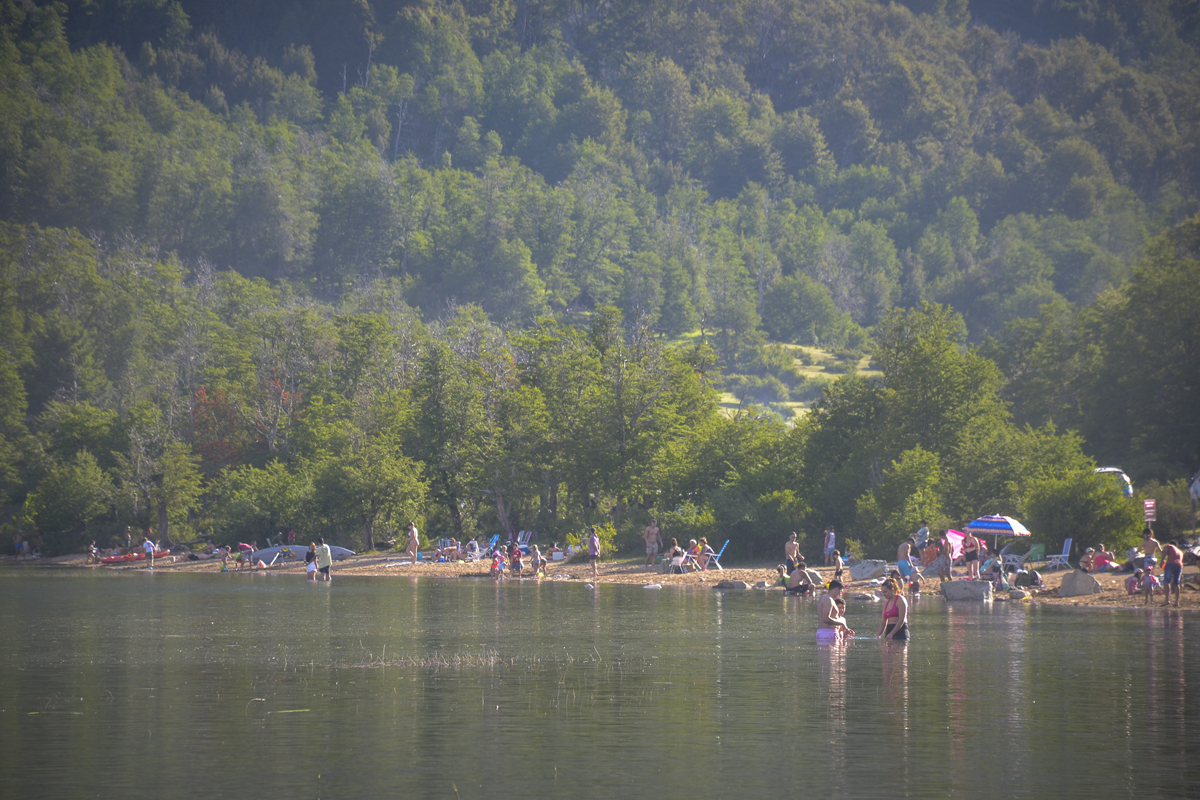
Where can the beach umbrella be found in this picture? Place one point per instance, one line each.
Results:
(995, 525)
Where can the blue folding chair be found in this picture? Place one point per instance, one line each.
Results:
(715, 558)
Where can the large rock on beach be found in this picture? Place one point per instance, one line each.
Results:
(868, 570)
(979, 591)
(733, 585)
(1018, 594)
(1077, 584)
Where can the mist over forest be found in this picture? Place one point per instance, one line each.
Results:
(746, 267)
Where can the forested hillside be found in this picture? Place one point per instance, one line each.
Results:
(336, 265)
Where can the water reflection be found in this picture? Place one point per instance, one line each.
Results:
(832, 660)
(590, 692)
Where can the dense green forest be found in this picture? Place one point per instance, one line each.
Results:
(489, 265)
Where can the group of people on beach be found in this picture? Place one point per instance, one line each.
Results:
(696, 556)
(1142, 563)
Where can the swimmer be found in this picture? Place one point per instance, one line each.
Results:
(829, 621)
(894, 625)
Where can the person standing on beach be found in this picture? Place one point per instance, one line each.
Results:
(128, 539)
(148, 546)
(324, 560)
(653, 542)
(791, 553)
(414, 542)
(829, 620)
(594, 550)
(970, 547)
(922, 537)
(904, 557)
(1150, 545)
(1172, 570)
(830, 545)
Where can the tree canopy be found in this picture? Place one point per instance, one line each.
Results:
(488, 264)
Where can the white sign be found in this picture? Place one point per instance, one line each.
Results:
(1150, 507)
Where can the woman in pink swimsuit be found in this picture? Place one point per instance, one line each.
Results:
(894, 624)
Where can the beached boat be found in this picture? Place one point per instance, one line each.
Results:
(133, 557)
(295, 553)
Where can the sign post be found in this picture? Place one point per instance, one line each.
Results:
(1150, 507)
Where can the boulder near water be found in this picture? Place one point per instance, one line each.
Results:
(733, 585)
(979, 591)
(1077, 584)
(868, 570)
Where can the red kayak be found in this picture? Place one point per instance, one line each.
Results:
(133, 557)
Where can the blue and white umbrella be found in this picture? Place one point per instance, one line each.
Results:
(997, 525)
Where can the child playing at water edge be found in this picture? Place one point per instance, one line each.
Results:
(838, 565)
(497, 570)
(1134, 582)
(1149, 582)
(914, 582)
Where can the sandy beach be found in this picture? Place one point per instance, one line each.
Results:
(627, 571)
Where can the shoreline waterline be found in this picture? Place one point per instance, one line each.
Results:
(629, 571)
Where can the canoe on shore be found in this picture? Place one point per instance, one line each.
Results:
(133, 557)
(295, 553)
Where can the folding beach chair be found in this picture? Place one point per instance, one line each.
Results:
(1013, 562)
(1060, 560)
(715, 558)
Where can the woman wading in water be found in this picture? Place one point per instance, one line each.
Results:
(894, 624)
(831, 625)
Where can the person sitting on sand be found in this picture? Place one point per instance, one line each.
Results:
(1105, 560)
(1133, 583)
(781, 577)
(1087, 561)
(829, 621)
(554, 548)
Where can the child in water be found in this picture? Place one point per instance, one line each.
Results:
(841, 610)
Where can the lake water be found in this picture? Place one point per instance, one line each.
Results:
(138, 685)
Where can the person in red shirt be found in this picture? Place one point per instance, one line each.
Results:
(1172, 570)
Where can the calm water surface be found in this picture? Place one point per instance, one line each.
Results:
(137, 685)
